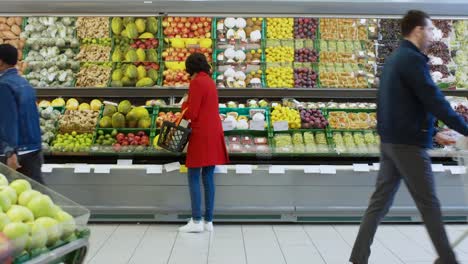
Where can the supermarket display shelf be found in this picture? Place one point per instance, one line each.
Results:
(318, 93)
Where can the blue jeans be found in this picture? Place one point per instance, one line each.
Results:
(195, 192)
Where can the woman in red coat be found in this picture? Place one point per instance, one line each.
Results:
(206, 147)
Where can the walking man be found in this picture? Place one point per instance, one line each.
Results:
(20, 134)
(408, 101)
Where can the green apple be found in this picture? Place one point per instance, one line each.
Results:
(5, 202)
(18, 213)
(11, 193)
(18, 233)
(37, 236)
(20, 186)
(4, 220)
(52, 227)
(3, 180)
(67, 221)
(27, 196)
(42, 205)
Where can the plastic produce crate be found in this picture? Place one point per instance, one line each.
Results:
(69, 248)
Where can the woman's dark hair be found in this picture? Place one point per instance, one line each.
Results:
(8, 54)
(413, 19)
(196, 63)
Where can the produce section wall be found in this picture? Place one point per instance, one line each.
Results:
(257, 61)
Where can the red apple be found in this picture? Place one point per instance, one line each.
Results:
(177, 19)
(120, 136)
(183, 19)
(202, 19)
(125, 143)
(194, 27)
(180, 25)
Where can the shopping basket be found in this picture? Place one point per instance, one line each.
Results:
(174, 137)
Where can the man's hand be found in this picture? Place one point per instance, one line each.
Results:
(444, 139)
(13, 163)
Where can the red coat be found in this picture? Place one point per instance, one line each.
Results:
(206, 145)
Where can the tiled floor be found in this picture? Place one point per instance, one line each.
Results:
(259, 244)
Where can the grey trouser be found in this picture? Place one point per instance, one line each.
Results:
(411, 164)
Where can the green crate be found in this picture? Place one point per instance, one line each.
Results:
(215, 31)
(368, 150)
(151, 109)
(302, 131)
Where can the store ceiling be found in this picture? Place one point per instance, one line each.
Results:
(285, 7)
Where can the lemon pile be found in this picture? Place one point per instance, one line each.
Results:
(280, 54)
(281, 113)
(280, 77)
(280, 28)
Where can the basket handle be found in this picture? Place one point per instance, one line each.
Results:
(177, 122)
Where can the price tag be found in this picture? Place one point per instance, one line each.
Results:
(244, 169)
(124, 162)
(221, 169)
(438, 168)
(311, 169)
(47, 168)
(376, 166)
(82, 169)
(457, 170)
(102, 169)
(361, 167)
(363, 21)
(228, 126)
(183, 169)
(372, 29)
(172, 166)
(257, 125)
(154, 169)
(281, 126)
(277, 169)
(327, 169)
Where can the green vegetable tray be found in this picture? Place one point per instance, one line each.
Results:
(152, 110)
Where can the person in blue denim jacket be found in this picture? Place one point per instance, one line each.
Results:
(20, 133)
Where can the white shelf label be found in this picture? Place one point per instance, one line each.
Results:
(457, 170)
(277, 169)
(311, 169)
(228, 126)
(257, 125)
(327, 169)
(376, 166)
(361, 167)
(102, 169)
(438, 168)
(154, 169)
(222, 169)
(82, 169)
(174, 166)
(124, 162)
(244, 169)
(281, 126)
(47, 168)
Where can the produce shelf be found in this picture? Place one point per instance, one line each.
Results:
(317, 93)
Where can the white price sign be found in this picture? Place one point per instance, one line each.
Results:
(228, 126)
(102, 169)
(244, 169)
(154, 169)
(174, 166)
(327, 169)
(277, 169)
(124, 162)
(281, 126)
(311, 169)
(257, 125)
(221, 169)
(438, 168)
(361, 167)
(82, 169)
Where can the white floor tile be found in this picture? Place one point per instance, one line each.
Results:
(156, 245)
(380, 254)
(296, 246)
(227, 245)
(99, 236)
(190, 248)
(329, 243)
(120, 247)
(399, 244)
(261, 245)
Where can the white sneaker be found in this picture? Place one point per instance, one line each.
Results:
(192, 227)
(208, 226)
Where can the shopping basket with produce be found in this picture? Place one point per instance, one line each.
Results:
(174, 136)
(38, 225)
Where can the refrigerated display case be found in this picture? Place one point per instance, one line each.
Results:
(311, 68)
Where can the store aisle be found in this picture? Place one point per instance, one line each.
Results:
(259, 244)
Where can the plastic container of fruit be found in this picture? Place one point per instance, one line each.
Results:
(60, 232)
(223, 43)
(246, 112)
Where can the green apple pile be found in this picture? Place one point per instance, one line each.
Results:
(315, 143)
(30, 219)
(72, 142)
